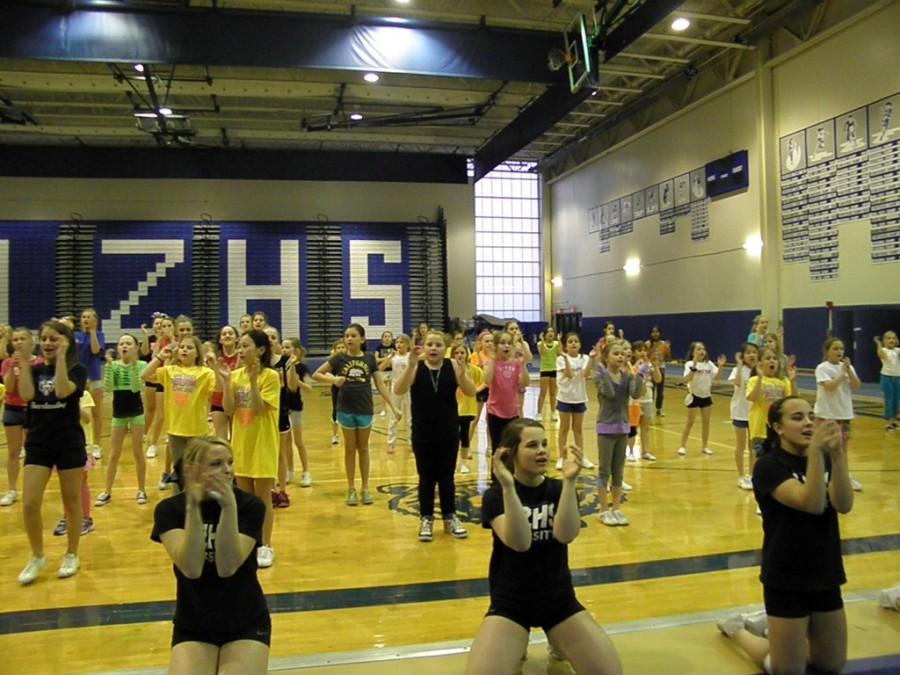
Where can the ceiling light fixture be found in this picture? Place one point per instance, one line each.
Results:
(557, 282)
(372, 77)
(165, 112)
(680, 24)
(356, 117)
(632, 267)
(139, 67)
(753, 245)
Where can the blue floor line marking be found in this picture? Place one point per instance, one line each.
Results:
(308, 601)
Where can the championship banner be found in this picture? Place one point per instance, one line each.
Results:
(376, 277)
(27, 279)
(260, 267)
(140, 268)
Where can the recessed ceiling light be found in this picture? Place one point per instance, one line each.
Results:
(680, 24)
(356, 117)
(165, 111)
(371, 77)
(402, 2)
(139, 67)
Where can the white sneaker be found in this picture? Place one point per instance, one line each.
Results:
(730, 625)
(620, 518)
(32, 569)
(888, 598)
(289, 478)
(608, 518)
(554, 417)
(453, 527)
(464, 467)
(265, 556)
(630, 457)
(626, 487)
(103, 499)
(855, 484)
(682, 451)
(757, 623)
(426, 529)
(163, 481)
(334, 439)
(151, 452)
(745, 483)
(649, 457)
(141, 497)
(306, 479)
(97, 453)
(69, 566)
(538, 416)
(560, 463)
(707, 451)
(587, 464)
(8, 498)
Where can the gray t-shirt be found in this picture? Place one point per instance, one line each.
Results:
(355, 396)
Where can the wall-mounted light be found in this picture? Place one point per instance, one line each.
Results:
(356, 117)
(557, 282)
(632, 267)
(372, 77)
(680, 24)
(753, 245)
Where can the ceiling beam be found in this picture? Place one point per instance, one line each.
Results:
(197, 36)
(713, 17)
(696, 41)
(653, 57)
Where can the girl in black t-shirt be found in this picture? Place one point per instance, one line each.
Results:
(801, 483)
(533, 519)
(55, 438)
(210, 532)
(432, 381)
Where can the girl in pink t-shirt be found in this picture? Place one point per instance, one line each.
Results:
(504, 376)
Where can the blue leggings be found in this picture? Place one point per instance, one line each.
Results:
(890, 387)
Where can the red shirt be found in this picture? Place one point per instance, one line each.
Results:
(12, 393)
(232, 363)
(503, 401)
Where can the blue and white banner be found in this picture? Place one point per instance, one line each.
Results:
(261, 267)
(376, 277)
(140, 268)
(27, 279)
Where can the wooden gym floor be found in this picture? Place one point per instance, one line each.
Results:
(352, 589)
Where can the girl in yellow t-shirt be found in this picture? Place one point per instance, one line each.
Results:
(252, 396)
(187, 386)
(763, 389)
(467, 406)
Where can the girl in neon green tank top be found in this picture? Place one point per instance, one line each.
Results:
(548, 348)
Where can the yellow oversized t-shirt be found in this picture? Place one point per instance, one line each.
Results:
(773, 388)
(467, 406)
(186, 398)
(254, 438)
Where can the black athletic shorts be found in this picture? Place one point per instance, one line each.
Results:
(158, 387)
(548, 373)
(530, 612)
(284, 421)
(482, 396)
(260, 631)
(800, 604)
(216, 408)
(700, 402)
(62, 458)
